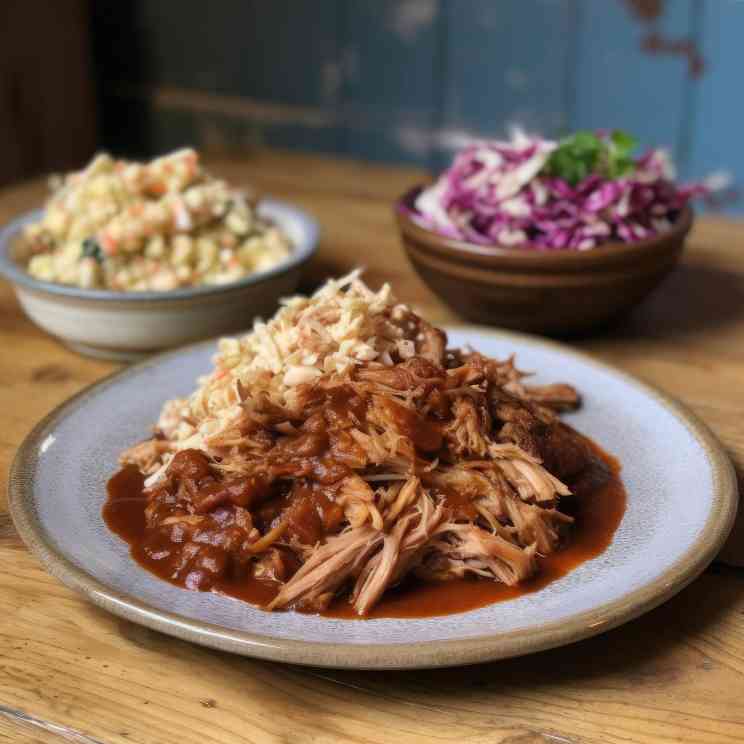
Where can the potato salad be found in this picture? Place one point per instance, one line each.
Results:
(155, 226)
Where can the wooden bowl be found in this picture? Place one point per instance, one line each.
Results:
(554, 292)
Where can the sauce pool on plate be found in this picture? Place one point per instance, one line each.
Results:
(598, 505)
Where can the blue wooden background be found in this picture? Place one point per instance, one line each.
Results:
(409, 80)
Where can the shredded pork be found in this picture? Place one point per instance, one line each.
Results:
(340, 449)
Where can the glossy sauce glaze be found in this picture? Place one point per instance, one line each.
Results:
(598, 505)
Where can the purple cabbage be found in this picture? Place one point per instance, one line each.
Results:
(498, 193)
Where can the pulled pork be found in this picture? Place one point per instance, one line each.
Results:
(341, 448)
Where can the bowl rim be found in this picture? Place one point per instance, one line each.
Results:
(526, 255)
(279, 211)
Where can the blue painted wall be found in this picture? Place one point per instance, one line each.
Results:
(409, 80)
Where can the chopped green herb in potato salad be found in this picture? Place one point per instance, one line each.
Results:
(156, 226)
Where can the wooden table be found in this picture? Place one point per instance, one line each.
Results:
(69, 671)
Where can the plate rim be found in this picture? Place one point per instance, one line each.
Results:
(417, 655)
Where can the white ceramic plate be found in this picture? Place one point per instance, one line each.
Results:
(681, 505)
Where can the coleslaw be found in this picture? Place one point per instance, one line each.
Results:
(162, 225)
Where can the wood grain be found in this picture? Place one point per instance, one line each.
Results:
(675, 675)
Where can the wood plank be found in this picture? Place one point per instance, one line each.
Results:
(18, 727)
(674, 675)
(272, 51)
(389, 67)
(506, 63)
(617, 84)
(47, 110)
(279, 51)
(718, 119)
(402, 81)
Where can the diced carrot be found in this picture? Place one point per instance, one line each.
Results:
(109, 244)
(192, 161)
(158, 188)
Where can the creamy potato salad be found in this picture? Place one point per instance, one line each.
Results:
(129, 226)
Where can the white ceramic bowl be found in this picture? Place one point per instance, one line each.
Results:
(129, 325)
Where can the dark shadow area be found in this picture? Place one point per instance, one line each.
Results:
(693, 298)
(732, 553)
(636, 653)
(8, 532)
(678, 649)
(47, 111)
(120, 62)
(316, 272)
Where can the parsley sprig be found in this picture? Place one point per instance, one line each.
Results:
(585, 153)
(91, 249)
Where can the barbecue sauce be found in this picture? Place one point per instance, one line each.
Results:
(598, 505)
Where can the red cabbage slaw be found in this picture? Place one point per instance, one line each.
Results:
(501, 193)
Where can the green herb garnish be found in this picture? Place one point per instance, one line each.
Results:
(585, 153)
(618, 153)
(91, 249)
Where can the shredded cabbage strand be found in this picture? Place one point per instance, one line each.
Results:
(507, 193)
